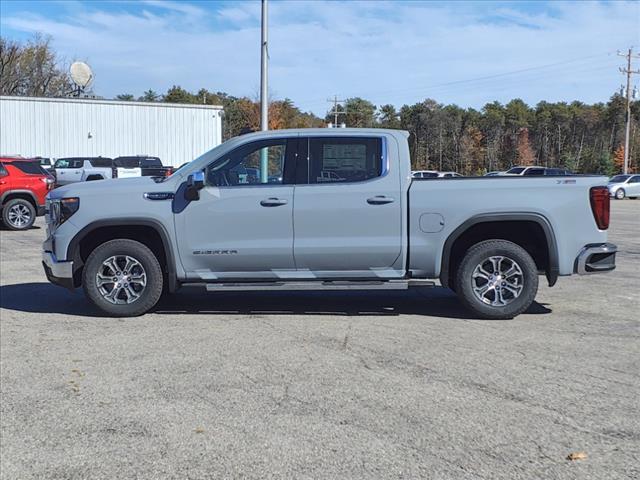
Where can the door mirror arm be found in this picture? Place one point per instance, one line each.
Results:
(195, 183)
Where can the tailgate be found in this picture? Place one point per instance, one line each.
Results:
(129, 172)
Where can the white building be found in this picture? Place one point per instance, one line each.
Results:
(65, 127)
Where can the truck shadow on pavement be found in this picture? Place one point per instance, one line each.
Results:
(435, 302)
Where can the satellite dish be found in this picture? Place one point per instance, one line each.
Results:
(81, 74)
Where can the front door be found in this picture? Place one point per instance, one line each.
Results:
(633, 186)
(242, 225)
(348, 209)
(68, 170)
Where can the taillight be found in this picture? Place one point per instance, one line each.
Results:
(599, 197)
(48, 181)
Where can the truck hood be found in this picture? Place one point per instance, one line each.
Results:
(105, 188)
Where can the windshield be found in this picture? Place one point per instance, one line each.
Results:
(619, 178)
(516, 170)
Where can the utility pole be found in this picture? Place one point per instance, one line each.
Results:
(335, 112)
(264, 100)
(629, 72)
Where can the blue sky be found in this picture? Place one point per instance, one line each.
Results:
(467, 53)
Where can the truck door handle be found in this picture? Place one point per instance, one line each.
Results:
(273, 202)
(380, 200)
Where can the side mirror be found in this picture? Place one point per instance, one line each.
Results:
(195, 183)
(196, 180)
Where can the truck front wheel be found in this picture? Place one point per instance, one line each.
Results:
(497, 279)
(123, 278)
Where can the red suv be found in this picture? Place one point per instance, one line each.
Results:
(24, 184)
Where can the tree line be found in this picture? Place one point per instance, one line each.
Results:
(580, 137)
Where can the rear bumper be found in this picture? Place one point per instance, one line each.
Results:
(596, 258)
(58, 273)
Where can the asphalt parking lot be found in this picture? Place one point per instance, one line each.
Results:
(316, 385)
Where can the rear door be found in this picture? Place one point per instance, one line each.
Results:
(347, 212)
(5, 181)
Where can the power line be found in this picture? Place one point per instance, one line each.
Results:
(480, 79)
(629, 55)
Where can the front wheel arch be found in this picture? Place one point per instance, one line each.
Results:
(149, 232)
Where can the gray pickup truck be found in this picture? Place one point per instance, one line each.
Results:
(324, 209)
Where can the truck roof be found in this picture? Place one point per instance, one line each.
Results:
(326, 131)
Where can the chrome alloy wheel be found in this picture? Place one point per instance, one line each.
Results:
(19, 216)
(121, 279)
(497, 281)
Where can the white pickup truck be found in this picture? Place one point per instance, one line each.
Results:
(83, 169)
(324, 209)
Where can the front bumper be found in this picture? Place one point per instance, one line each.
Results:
(596, 258)
(58, 273)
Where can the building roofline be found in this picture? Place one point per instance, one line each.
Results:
(110, 102)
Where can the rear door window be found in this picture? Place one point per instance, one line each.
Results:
(534, 171)
(339, 160)
(3, 171)
(30, 168)
(101, 162)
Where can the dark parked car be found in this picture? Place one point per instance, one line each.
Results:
(139, 166)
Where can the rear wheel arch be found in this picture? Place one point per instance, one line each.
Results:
(24, 194)
(148, 232)
(528, 230)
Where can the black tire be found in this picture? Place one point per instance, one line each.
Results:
(620, 194)
(149, 294)
(18, 214)
(479, 256)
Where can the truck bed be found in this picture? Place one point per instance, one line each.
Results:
(440, 206)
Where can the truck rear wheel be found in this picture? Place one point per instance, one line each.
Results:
(123, 278)
(497, 279)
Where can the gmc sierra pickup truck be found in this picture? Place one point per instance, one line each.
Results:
(324, 209)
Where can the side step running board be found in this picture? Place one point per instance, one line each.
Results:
(318, 285)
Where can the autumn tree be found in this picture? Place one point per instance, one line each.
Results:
(618, 159)
(523, 148)
(472, 152)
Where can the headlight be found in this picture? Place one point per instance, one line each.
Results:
(61, 209)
